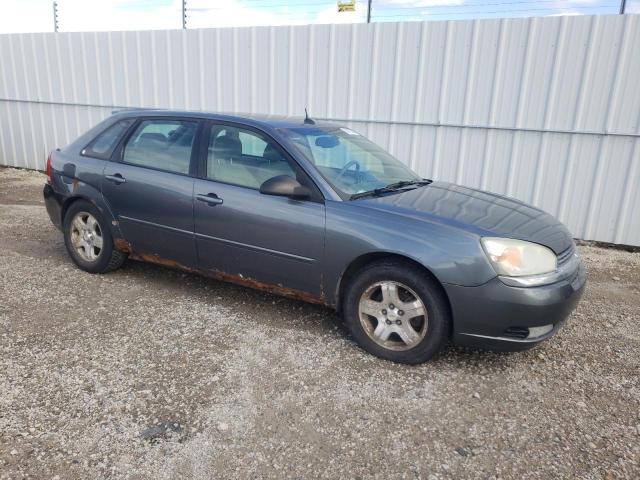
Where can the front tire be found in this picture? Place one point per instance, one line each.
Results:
(397, 312)
(88, 239)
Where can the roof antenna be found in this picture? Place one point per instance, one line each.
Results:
(307, 119)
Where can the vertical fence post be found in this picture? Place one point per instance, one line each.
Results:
(55, 16)
(184, 14)
(369, 11)
(623, 4)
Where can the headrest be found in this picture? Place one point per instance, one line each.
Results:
(272, 154)
(226, 146)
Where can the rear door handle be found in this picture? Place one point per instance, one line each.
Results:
(210, 198)
(117, 178)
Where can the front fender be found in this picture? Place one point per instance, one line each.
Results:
(452, 255)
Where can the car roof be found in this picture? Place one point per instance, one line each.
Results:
(257, 120)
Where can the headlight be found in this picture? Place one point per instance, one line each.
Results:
(516, 258)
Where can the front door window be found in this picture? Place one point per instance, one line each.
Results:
(244, 158)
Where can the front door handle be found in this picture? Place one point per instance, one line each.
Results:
(210, 198)
(117, 178)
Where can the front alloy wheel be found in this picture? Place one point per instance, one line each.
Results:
(397, 311)
(393, 315)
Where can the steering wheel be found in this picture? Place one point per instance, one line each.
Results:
(346, 167)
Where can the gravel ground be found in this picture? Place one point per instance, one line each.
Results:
(151, 373)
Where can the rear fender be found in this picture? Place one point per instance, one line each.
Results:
(83, 183)
(88, 193)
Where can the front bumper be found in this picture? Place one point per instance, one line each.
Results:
(497, 316)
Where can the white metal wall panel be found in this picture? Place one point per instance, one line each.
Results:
(543, 109)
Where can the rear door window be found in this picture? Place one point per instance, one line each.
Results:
(162, 144)
(104, 144)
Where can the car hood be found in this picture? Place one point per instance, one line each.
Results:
(483, 213)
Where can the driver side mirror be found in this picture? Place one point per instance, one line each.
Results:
(285, 186)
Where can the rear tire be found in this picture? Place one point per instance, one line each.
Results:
(397, 312)
(88, 239)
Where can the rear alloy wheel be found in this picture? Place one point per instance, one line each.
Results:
(397, 311)
(86, 236)
(88, 239)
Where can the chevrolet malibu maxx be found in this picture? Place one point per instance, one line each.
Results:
(316, 212)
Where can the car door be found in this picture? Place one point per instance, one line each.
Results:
(150, 189)
(248, 235)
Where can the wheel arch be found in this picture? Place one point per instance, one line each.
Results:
(70, 201)
(102, 208)
(363, 260)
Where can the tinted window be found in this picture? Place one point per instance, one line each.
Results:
(162, 144)
(242, 157)
(104, 144)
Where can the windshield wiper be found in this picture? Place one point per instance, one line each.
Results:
(392, 187)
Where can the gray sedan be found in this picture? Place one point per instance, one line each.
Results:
(315, 211)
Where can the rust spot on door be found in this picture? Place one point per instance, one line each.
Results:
(124, 246)
(266, 287)
(158, 260)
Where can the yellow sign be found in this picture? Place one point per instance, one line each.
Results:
(348, 6)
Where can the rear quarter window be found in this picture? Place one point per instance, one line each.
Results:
(104, 144)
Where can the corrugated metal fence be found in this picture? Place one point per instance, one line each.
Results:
(543, 109)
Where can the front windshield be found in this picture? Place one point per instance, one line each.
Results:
(347, 160)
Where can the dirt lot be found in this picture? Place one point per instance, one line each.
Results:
(151, 373)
